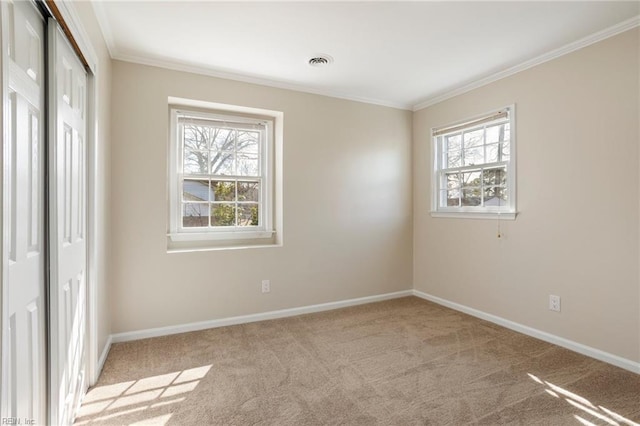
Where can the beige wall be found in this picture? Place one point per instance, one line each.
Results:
(103, 172)
(347, 206)
(577, 232)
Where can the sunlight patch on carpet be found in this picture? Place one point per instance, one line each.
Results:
(133, 396)
(600, 413)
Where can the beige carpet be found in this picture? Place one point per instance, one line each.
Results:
(399, 362)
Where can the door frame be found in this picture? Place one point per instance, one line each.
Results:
(69, 16)
(4, 84)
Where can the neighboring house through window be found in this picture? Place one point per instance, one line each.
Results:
(474, 167)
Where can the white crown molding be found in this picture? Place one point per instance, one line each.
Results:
(571, 47)
(107, 33)
(254, 80)
(223, 322)
(105, 28)
(598, 354)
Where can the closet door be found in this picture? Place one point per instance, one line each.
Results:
(23, 251)
(67, 222)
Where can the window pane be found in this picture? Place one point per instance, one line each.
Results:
(195, 215)
(195, 162)
(222, 163)
(453, 142)
(453, 180)
(495, 177)
(495, 196)
(195, 138)
(473, 138)
(506, 151)
(223, 214)
(222, 139)
(453, 198)
(453, 159)
(493, 134)
(471, 197)
(195, 190)
(493, 153)
(247, 165)
(474, 156)
(248, 215)
(223, 190)
(249, 191)
(471, 178)
(472, 161)
(248, 141)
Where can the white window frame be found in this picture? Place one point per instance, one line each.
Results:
(507, 211)
(265, 229)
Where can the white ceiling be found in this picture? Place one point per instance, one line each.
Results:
(401, 54)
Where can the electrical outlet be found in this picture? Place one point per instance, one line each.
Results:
(266, 286)
(554, 303)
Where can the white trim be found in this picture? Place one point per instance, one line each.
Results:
(243, 319)
(598, 354)
(220, 235)
(618, 361)
(105, 28)
(177, 102)
(192, 248)
(556, 53)
(105, 353)
(476, 215)
(4, 270)
(256, 80)
(614, 30)
(92, 225)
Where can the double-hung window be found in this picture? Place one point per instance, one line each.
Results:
(221, 176)
(474, 167)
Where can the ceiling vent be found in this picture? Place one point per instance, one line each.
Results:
(320, 60)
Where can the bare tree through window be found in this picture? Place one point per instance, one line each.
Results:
(222, 175)
(473, 163)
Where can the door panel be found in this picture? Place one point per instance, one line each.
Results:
(23, 314)
(67, 211)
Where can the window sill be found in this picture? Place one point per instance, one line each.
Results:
(220, 236)
(203, 241)
(174, 248)
(475, 215)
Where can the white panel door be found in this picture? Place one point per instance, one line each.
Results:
(23, 289)
(67, 219)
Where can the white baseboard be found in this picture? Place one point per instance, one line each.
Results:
(103, 355)
(598, 354)
(243, 319)
(627, 364)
